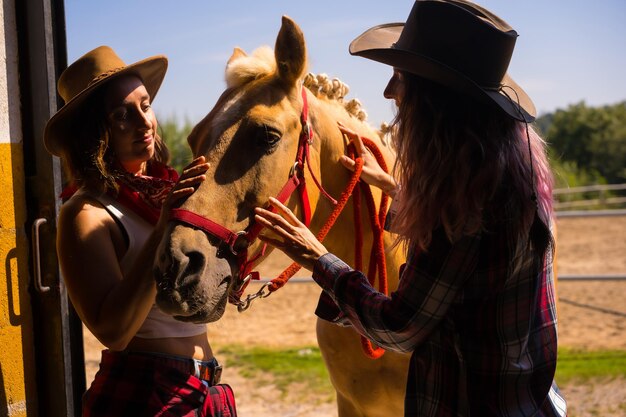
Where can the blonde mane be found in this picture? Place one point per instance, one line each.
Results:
(323, 86)
(242, 69)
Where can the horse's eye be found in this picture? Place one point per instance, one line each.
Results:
(268, 137)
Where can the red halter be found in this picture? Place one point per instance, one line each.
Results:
(238, 242)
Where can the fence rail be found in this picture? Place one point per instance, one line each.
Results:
(604, 199)
(592, 277)
(590, 202)
(590, 213)
(588, 188)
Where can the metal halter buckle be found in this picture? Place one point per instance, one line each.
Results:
(294, 169)
(241, 234)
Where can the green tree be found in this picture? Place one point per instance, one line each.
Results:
(568, 175)
(593, 138)
(175, 137)
(608, 143)
(542, 123)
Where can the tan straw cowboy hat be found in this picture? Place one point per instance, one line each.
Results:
(83, 77)
(456, 43)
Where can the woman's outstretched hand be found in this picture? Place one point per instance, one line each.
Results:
(294, 238)
(372, 172)
(189, 180)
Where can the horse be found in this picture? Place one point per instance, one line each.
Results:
(251, 138)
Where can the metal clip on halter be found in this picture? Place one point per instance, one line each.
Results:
(261, 293)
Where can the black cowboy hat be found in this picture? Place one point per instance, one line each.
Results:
(456, 43)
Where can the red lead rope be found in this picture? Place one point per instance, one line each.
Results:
(378, 261)
(377, 220)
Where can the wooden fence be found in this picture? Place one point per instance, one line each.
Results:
(592, 196)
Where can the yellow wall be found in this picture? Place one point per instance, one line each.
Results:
(16, 343)
(13, 280)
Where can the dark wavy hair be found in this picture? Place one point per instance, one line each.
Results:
(90, 162)
(453, 154)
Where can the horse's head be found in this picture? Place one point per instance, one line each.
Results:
(251, 138)
(251, 132)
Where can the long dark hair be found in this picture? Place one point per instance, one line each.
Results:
(90, 162)
(453, 154)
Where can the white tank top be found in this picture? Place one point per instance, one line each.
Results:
(157, 324)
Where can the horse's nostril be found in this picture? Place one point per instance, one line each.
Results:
(165, 284)
(222, 251)
(195, 264)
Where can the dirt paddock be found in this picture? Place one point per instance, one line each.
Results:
(587, 320)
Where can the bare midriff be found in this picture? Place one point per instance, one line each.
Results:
(196, 347)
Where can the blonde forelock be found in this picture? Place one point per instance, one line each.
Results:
(251, 67)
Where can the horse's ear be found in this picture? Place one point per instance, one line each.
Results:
(290, 52)
(237, 53)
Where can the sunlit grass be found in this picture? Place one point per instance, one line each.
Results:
(285, 368)
(584, 365)
(302, 369)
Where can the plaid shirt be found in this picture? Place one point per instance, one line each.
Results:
(478, 316)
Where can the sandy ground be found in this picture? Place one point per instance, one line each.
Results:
(595, 245)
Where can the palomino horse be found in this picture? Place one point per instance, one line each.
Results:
(251, 139)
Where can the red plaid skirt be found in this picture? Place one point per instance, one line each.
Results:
(144, 385)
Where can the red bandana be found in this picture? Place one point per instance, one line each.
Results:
(145, 194)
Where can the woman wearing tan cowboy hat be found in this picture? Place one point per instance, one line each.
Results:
(475, 304)
(108, 232)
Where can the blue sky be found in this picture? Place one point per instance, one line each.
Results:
(568, 50)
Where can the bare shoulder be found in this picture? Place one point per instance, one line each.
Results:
(83, 211)
(81, 202)
(87, 232)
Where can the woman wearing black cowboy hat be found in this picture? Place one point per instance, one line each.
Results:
(109, 229)
(476, 304)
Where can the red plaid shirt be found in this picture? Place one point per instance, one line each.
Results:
(479, 316)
